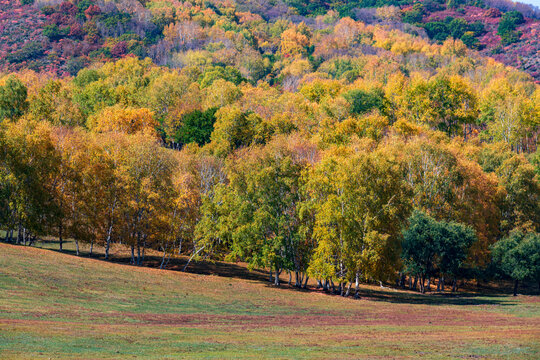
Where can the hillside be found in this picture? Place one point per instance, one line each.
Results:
(331, 144)
(64, 36)
(61, 306)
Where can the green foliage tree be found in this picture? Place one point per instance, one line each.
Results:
(227, 73)
(360, 201)
(437, 30)
(509, 22)
(518, 256)
(430, 246)
(362, 101)
(32, 50)
(415, 15)
(458, 27)
(521, 207)
(260, 208)
(54, 33)
(197, 127)
(508, 25)
(13, 99)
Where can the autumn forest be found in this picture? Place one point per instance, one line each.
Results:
(312, 149)
(333, 144)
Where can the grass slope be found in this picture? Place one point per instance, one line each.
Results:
(61, 306)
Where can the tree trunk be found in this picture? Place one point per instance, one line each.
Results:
(270, 279)
(163, 258)
(357, 286)
(516, 284)
(429, 284)
(77, 247)
(168, 259)
(108, 242)
(442, 283)
(319, 284)
(276, 278)
(325, 285)
(415, 282)
(91, 247)
(305, 282)
(138, 249)
(60, 228)
(19, 234)
(454, 285)
(195, 254)
(348, 290)
(143, 249)
(133, 254)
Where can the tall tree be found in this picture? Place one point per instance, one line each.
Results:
(360, 201)
(444, 103)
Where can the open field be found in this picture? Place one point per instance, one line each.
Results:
(60, 306)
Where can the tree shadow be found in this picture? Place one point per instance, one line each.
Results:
(405, 296)
(465, 297)
(216, 268)
(434, 298)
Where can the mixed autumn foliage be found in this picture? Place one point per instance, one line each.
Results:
(322, 146)
(64, 36)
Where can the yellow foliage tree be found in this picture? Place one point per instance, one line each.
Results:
(126, 120)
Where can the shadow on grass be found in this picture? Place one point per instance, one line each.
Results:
(217, 268)
(485, 296)
(434, 298)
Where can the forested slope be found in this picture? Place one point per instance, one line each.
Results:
(299, 140)
(64, 36)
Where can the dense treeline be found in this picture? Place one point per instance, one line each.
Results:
(372, 163)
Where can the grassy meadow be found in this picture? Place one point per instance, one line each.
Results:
(55, 305)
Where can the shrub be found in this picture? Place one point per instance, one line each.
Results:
(510, 37)
(53, 32)
(29, 51)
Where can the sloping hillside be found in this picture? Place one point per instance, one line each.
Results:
(62, 37)
(60, 306)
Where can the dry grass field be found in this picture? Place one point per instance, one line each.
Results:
(55, 305)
